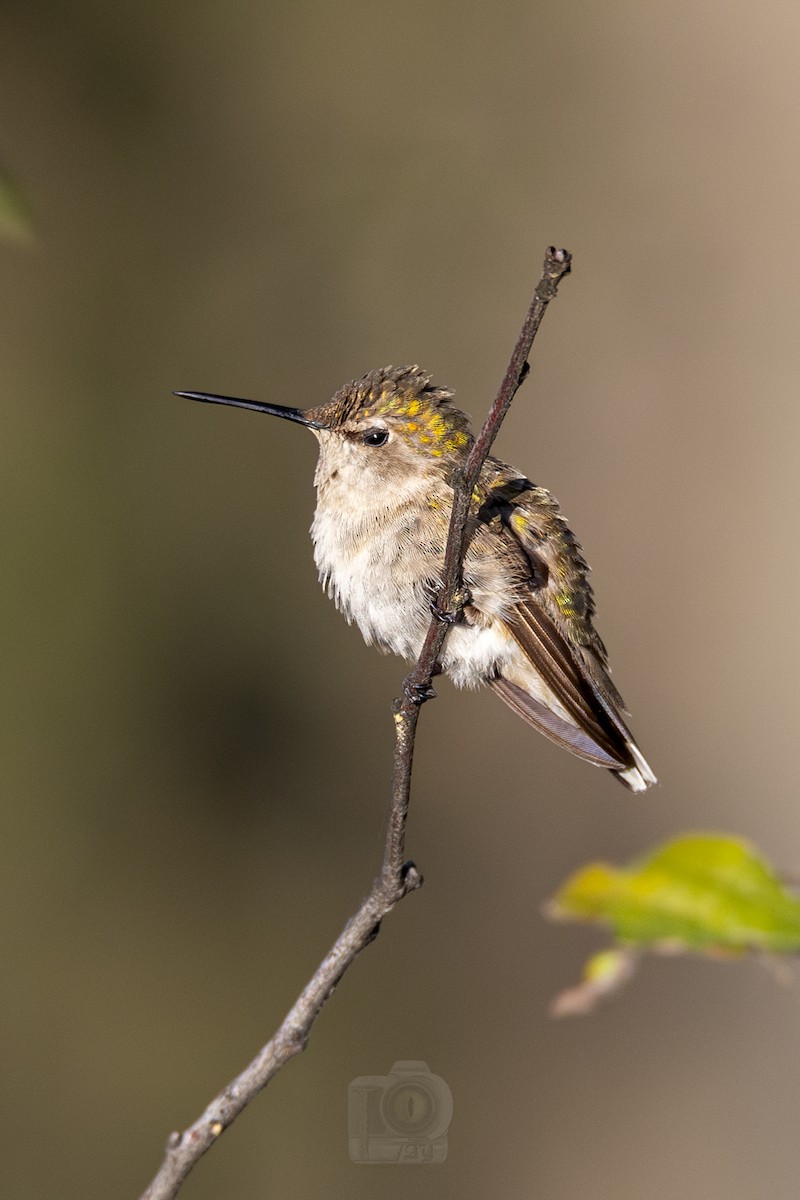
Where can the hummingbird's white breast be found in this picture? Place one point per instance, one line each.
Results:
(379, 554)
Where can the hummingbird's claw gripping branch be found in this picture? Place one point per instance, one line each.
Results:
(397, 876)
(418, 693)
(447, 618)
(460, 601)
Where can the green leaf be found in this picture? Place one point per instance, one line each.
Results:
(15, 217)
(700, 892)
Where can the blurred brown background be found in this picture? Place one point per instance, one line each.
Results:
(268, 200)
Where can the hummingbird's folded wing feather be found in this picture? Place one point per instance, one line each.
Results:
(564, 675)
(568, 736)
(563, 688)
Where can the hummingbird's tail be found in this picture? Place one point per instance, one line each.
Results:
(640, 776)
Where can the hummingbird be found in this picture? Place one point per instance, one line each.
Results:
(390, 447)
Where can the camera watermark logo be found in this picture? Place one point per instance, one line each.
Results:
(402, 1117)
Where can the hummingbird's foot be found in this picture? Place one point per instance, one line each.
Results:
(447, 618)
(462, 598)
(418, 693)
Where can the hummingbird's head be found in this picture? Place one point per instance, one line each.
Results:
(391, 425)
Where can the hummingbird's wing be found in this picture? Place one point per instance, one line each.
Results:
(576, 707)
(563, 689)
(562, 732)
(593, 728)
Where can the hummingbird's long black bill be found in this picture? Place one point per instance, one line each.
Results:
(272, 410)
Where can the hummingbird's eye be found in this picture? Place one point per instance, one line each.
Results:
(375, 437)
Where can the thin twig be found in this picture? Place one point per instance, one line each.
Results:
(397, 878)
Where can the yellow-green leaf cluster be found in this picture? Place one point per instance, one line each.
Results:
(699, 892)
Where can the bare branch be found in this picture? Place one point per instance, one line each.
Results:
(397, 878)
